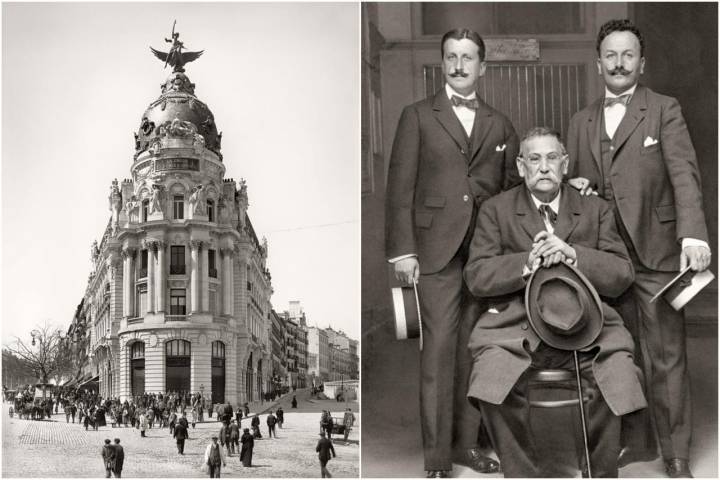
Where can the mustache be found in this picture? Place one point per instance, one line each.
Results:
(619, 70)
(458, 73)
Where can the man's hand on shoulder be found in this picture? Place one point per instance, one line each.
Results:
(582, 185)
(407, 270)
(698, 257)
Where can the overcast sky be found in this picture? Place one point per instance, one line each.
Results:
(283, 83)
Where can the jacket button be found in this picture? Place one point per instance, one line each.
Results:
(465, 198)
(462, 150)
(524, 326)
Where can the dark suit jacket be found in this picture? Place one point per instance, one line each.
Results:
(324, 448)
(432, 172)
(657, 187)
(500, 342)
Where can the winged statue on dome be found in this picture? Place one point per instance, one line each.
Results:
(176, 57)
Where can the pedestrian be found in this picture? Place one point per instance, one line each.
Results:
(271, 421)
(247, 410)
(248, 443)
(324, 448)
(225, 438)
(73, 412)
(255, 424)
(238, 415)
(280, 414)
(234, 436)
(86, 419)
(119, 458)
(180, 433)
(193, 417)
(348, 422)
(294, 402)
(66, 409)
(171, 421)
(214, 456)
(108, 456)
(143, 422)
(326, 423)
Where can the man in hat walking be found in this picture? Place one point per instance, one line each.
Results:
(541, 253)
(214, 456)
(108, 456)
(119, 458)
(324, 449)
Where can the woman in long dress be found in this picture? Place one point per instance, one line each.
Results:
(248, 443)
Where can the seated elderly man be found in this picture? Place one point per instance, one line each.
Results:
(547, 230)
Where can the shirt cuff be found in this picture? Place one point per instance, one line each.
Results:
(694, 242)
(402, 257)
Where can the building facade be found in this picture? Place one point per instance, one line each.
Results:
(318, 355)
(179, 295)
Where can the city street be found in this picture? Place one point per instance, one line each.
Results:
(56, 449)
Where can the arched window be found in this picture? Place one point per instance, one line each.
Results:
(218, 372)
(177, 366)
(137, 368)
(211, 210)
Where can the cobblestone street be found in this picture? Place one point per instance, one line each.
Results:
(56, 449)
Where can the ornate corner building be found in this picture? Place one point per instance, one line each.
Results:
(179, 297)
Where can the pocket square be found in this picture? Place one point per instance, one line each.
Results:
(500, 148)
(649, 141)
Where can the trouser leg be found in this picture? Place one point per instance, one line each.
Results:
(662, 332)
(440, 299)
(508, 426)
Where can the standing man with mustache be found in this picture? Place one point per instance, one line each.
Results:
(633, 147)
(451, 152)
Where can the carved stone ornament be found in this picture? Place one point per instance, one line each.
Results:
(176, 57)
(153, 340)
(177, 128)
(202, 340)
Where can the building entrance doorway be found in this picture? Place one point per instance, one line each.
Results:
(218, 372)
(137, 368)
(249, 379)
(177, 366)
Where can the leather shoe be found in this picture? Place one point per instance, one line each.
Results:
(438, 474)
(630, 455)
(473, 458)
(678, 468)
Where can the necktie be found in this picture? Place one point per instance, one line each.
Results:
(471, 103)
(610, 101)
(548, 213)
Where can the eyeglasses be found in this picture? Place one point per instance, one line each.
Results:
(552, 157)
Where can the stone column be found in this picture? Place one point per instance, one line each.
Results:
(151, 247)
(227, 270)
(129, 281)
(204, 283)
(194, 275)
(161, 276)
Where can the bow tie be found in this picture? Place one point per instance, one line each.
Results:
(610, 101)
(547, 212)
(471, 103)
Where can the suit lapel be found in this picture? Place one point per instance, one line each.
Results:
(481, 126)
(527, 214)
(568, 215)
(442, 108)
(634, 114)
(594, 125)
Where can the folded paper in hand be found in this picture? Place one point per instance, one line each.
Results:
(681, 289)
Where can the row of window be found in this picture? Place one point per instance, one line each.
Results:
(176, 348)
(178, 209)
(177, 262)
(178, 301)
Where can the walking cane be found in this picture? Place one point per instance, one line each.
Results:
(582, 413)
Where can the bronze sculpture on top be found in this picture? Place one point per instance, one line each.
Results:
(176, 57)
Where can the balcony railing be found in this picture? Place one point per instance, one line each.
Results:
(175, 318)
(142, 273)
(212, 272)
(177, 269)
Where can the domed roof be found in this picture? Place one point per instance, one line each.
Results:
(177, 101)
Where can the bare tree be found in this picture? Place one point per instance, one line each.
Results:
(46, 355)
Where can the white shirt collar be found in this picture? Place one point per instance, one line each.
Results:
(450, 92)
(629, 91)
(554, 204)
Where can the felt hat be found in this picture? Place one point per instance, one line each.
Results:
(563, 307)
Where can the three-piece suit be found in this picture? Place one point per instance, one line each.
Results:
(503, 344)
(649, 174)
(438, 176)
